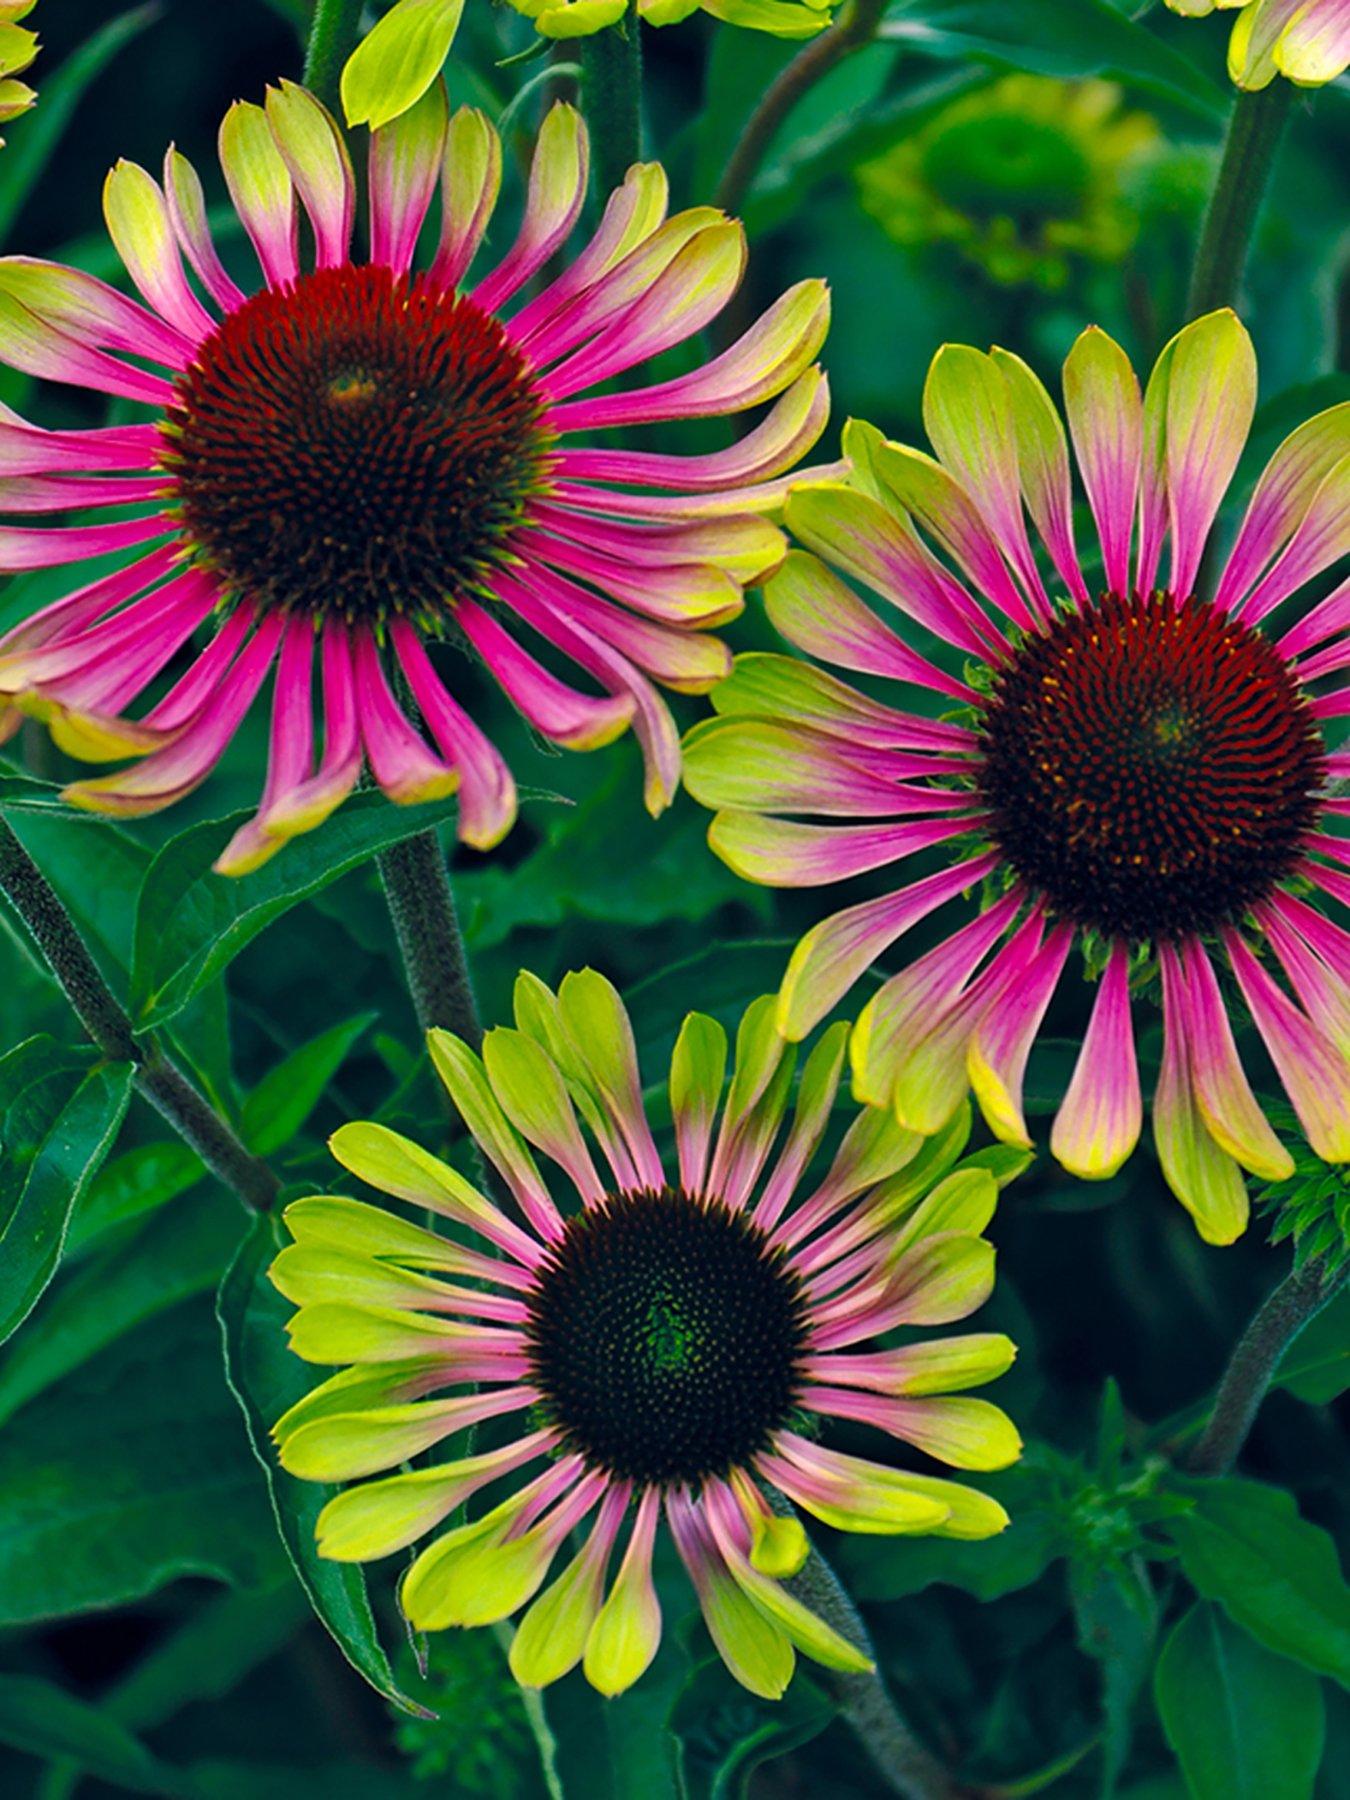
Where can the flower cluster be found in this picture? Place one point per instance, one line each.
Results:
(1023, 178)
(1135, 757)
(360, 459)
(667, 1336)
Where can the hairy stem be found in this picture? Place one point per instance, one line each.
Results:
(611, 94)
(1255, 129)
(1277, 1322)
(333, 36)
(854, 28)
(160, 1080)
(422, 907)
(907, 1767)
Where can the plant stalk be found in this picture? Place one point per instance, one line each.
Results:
(854, 28)
(908, 1768)
(333, 36)
(1255, 129)
(611, 94)
(159, 1079)
(1277, 1322)
(422, 908)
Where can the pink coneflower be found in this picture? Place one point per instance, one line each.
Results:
(1128, 762)
(655, 1337)
(359, 459)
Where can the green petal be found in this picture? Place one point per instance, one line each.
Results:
(963, 1201)
(354, 1389)
(968, 1434)
(755, 1649)
(329, 1333)
(366, 1230)
(944, 1279)
(553, 1634)
(944, 1365)
(698, 1067)
(374, 1520)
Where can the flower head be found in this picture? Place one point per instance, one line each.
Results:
(1306, 40)
(1023, 178)
(358, 460)
(1132, 759)
(18, 48)
(661, 1345)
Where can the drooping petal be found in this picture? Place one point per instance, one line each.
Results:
(1099, 1120)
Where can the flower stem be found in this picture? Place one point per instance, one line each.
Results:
(158, 1078)
(422, 908)
(333, 36)
(1277, 1322)
(611, 92)
(854, 28)
(907, 1767)
(1255, 129)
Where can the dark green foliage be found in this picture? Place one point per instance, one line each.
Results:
(166, 1626)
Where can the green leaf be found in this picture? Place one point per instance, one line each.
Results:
(42, 1720)
(30, 151)
(585, 868)
(128, 1474)
(1116, 1616)
(178, 1254)
(129, 1186)
(1244, 1545)
(1064, 38)
(266, 1378)
(288, 1094)
(1245, 1725)
(191, 923)
(61, 1111)
(1316, 1366)
(726, 1733)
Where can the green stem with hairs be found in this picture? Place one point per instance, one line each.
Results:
(1255, 129)
(422, 907)
(1295, 1303)
(159, 1079)
(611, 95)
(855, 27)
(333, 36)
(907, 1767)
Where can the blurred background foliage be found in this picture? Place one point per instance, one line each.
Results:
(989, 171)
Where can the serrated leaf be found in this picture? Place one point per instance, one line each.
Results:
(192, 923)
(266, 1379)
(61, 1111)
(130, 1473)
(177, 1255)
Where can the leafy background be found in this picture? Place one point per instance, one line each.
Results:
(1133, 1633)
